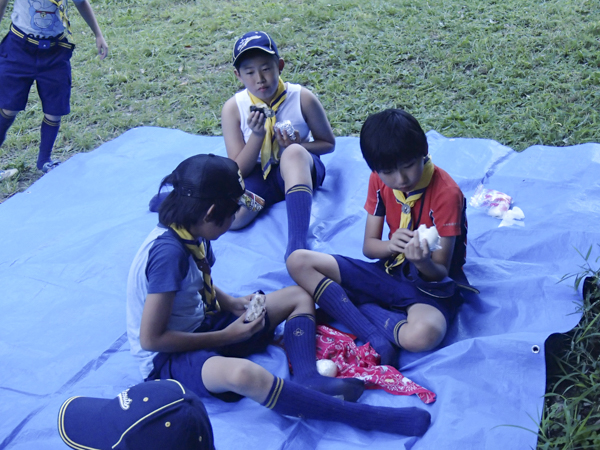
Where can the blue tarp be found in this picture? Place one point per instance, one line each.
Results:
(68, 241)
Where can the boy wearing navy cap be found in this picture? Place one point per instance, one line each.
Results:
(181, 326)
(410, 295)
(36, 48)
(275, 165)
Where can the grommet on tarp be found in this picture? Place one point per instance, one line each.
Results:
(535, 349)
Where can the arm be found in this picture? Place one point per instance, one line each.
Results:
(245, 154)
(85, 9)
(432, 265)
(154, 335)
(315, 117)
(3, 4)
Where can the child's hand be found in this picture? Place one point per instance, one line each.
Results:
(399, 240)
(235, 305)
(284, 140)
(240, 331)
(102, 47)
(256, 122)
(414, 252)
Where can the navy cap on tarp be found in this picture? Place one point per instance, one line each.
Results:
(157, 414)
(254, 40)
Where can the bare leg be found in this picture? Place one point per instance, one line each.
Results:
(424, 329)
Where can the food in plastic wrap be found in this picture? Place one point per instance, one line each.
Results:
(431, 236)
(256, 306)
(268, 112)
(286, 127)
(327, 368)
(497, 202)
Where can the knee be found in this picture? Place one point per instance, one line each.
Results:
(421, 336)
(242, 375)
(298, 261)
(294, 155)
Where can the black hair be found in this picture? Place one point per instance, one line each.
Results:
(253, 52)
(184, 211)
(391, 138)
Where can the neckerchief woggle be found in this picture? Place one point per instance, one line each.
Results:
(269, 152)
(61, 9)
(408, 202)
(199, 254)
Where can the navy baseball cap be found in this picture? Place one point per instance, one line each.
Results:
(254, 40)
(157, 414)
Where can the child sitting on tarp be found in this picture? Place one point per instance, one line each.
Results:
(408, 297)
(181, 326)
(275, 164)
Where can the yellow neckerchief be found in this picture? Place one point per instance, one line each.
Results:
(269, 152)
(199, 254)
(61, 8)
(407, 205)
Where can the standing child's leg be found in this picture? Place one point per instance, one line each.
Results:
(49, 131)
(300, 344)
(7, 118)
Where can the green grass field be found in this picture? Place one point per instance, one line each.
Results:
(520, 72)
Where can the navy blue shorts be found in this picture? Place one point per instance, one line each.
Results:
(22, 62)
(186, 367)
(273, 188)
(368, 282)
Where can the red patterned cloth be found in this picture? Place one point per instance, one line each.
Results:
(363, 363)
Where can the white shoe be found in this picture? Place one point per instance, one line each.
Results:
(8, 173)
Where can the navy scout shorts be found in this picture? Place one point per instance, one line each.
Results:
(48, 64)
(273, 188)
(186, 367)
(368, 282)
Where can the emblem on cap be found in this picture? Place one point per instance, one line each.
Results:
(124, 400)
(244, 42)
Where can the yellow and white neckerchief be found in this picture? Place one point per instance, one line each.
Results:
(407, 203)
(199, 254)
(269, 152)
(61, 9)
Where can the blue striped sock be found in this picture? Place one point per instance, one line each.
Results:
(388, 322)
(300, 343)
(333, 299)
(298, 201)
(291, 399)
(48, 132)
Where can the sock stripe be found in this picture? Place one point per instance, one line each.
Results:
(396, 330)
(323, 284)
(299, 188)
(50, 122)
(308, 316)
(271, 400)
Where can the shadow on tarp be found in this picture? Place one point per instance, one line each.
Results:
(68, 241)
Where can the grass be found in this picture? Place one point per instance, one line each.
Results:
(521, 72)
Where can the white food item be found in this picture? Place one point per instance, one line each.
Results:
(327, 368)
(255, 307)
(430, 235)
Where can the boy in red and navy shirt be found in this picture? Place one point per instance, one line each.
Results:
(409, 296)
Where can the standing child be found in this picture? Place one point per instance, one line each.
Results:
(181, 326)
(275, 165)
(407, 298)
(36, 48)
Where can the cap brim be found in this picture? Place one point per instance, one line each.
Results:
(251, 201)
(80, 423)
(257, 47)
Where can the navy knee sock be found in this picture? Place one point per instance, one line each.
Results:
(298, 201)
(389, 322)
(333, 299)
(300, 344)
(5, 122)
(291, 399)
(48, 132)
